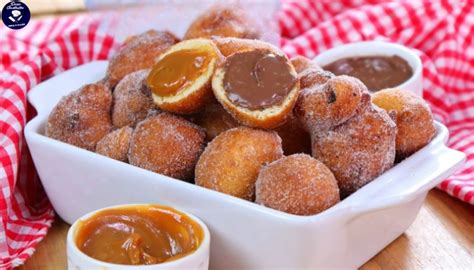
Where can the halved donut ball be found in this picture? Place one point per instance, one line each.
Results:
(180, 81)
(257, 87)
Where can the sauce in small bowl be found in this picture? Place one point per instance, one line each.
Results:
(137, 236)
(378, 64)
(376, 72)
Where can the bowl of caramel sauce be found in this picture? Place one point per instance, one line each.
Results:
(378, 64)
(138, 236)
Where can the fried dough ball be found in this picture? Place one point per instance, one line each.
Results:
(168, 145)
(131, 100)
(235, 80)
(222, 21)
(215, 120)
(413, 116)
(297, 184)
(358, 150)
(180, 81)
(229, 46)
(231, 162)
(312, 77)
(295, 139)
(302, 63)
(115, 144)
(82, 118)
(336, 101)
(138, 52)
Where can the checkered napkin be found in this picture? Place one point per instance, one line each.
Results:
(439, 31)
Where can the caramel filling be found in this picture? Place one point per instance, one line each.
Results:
(138, 235)
(178, 70)
(257, 79)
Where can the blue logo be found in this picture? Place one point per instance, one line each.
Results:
(15, 15)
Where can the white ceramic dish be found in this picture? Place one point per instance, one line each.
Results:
(244, 235)
(76, 259)
(367, 48)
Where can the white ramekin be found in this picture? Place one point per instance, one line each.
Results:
(367, 48)
(198, 260)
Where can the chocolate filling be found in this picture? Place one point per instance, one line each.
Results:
(257, 79)
(376, 72)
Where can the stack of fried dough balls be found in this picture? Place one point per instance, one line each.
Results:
(349, 134)
(305, 141)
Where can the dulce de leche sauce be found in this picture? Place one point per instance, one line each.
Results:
(257, 79)
(177, 70)
(138, 235)
(376, 72)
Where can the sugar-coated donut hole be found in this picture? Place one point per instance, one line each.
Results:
(131, 100)
(297, 184)
(116, 144)
(415, 126)
(167, 144)
(82, 118)
(231, 162)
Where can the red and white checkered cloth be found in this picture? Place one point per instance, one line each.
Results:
(439, 31)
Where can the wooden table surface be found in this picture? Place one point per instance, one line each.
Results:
(442, 237)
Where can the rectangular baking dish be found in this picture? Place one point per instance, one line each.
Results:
(244, 235)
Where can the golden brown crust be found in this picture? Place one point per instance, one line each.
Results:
(267, 118)
(324, 106)
(302, 63)
(215, 120)
(231, 162)
(413, 117)
(193, 103)
(201, 95)
(131, 100)
(358, 150)
(168, 145)
(228, 46)
(138, 52)
(297, 184)
(222, 21)
(115, 144)
(313, 77)
(82, 118)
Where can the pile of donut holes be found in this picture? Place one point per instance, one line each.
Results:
(337, 138)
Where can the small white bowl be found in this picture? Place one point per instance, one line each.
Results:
(370, 48)
(198, 260)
